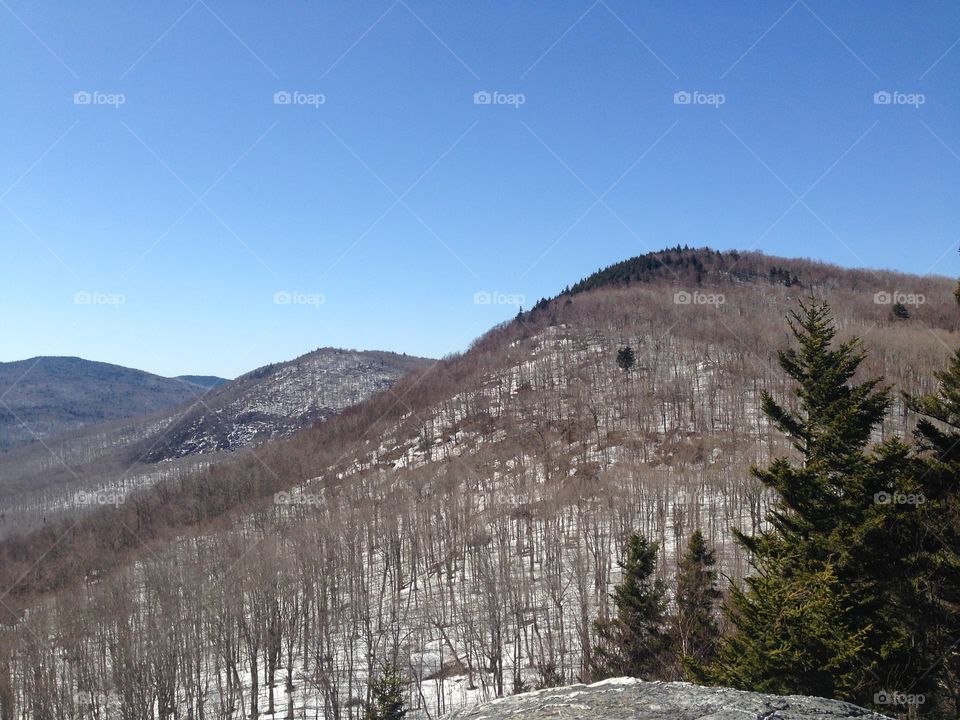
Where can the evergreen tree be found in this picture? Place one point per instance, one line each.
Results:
(695, 627)
(794, 634)
(633, 643)
(626, 358)
(387, 695)
(938, 437)
(900, 312)
(833, 607)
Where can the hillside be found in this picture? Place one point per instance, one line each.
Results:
(276, 400)
(467, 521)
(38, 482)
(52, 395)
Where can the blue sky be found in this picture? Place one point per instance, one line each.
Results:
(162, 207)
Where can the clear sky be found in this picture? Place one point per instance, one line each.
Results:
(162, 207)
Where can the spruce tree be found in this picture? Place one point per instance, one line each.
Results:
(938, 437)
(387, 695)
(626, 358)
(832, 607)
(794, 635)
(900, 312)
(695, 629)
(831, 486)
(634, 641)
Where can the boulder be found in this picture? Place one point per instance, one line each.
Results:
(632, 699)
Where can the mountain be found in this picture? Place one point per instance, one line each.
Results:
(204, 381)
(40, 481)
(468, 520)
(694, 267)
(632, 699)
(46, 396)
(276, 400)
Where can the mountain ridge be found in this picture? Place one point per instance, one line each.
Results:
(47, 395)
(692, 267)
(275, 400)
(266, 403)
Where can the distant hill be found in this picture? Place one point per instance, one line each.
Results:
(268, 403)
(276, 400)
(46, 396)
(205, 381)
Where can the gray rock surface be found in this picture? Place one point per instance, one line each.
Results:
(631, 699)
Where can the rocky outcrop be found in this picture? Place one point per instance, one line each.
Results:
(631, 699)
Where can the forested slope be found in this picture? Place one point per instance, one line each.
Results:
(50, 480)
(46, 396)
(467, 521)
